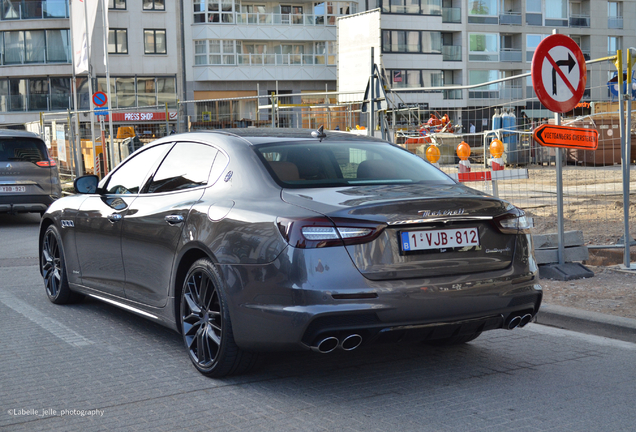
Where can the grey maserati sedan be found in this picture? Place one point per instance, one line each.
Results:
(252, 240)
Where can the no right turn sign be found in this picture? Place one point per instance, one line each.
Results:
(559, 73)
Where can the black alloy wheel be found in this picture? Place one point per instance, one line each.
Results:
(53, 268)
(206, 325)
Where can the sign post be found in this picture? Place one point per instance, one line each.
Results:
(99, 100)
(559, 75)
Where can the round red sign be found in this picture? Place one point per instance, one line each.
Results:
(100, 99)
(559, 73)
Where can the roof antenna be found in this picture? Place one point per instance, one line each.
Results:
(320, 133)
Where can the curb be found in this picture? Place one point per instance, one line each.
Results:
(587, 322)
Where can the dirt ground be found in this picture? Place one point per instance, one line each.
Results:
(593, 204)
(600, 218)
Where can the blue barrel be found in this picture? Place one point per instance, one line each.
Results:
(496, 120)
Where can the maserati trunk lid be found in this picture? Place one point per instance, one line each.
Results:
(429, 231)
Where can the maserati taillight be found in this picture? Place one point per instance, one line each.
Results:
(514, 221)
(326, 232)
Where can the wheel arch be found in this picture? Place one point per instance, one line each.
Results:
(44, 225)
(185, 262)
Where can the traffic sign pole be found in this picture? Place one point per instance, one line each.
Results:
(625, 147)
(628, 158)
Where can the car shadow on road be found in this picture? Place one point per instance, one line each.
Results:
(22, 219)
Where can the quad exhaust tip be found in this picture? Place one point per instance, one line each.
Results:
(525, 320)
(330, 343)
(519, 321)
(326, 345)
(351, 342)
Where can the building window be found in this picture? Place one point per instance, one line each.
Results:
(483, 7)
(483, 47)
(35, 94)
(33, 9)
(219, 11)
(117, 4)
(216, 52)
(154, 5)
(614, 43)
(532, 41)
(556, 13)
(58, 46)
(125, 90)
(413, 78)
(35, 46)
(490, 91)
(483, 12)
(146, 92)
(254, 54)
(615, 14)
(534, 15)
(419, 7)
(405, 41)
(117, 41)
(167, 91)
(154, 41)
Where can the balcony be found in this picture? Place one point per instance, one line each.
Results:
(261, 19)
(484, 56)
(579, 20)
(530, 94)
(529, 55)
(284, 59)
(483, 94)
(451, 15)
(556, 22)
(534, 19)
(510, 55)
(511, 92)
(453, 94)
(451, 53)
(615, 22)
(510, 18)
(35, 10)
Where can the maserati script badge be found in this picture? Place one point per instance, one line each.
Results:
(432, 213)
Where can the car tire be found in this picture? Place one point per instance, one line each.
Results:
(453, 340)
(53, 268)
(206, 325)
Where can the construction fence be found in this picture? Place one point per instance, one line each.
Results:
(507, 110)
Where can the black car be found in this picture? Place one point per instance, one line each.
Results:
(255, 240)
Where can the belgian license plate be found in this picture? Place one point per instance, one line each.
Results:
(439, 239)
(12, 188)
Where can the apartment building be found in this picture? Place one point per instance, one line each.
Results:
(36, 62)
(429, 43)
(247, 48)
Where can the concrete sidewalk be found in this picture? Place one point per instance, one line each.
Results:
(582, 321)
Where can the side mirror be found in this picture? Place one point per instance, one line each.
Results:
(86, 184)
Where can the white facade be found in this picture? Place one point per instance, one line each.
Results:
(431, 43)
(238, 49)
(35, 60)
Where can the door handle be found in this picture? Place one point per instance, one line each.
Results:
(174, 219)
(115, 217)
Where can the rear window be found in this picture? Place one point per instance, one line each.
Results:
(328, 164)
(22, 150)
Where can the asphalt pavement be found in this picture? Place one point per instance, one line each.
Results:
(91, 366)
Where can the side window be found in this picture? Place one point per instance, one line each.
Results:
(186, 166)
(129, 177)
